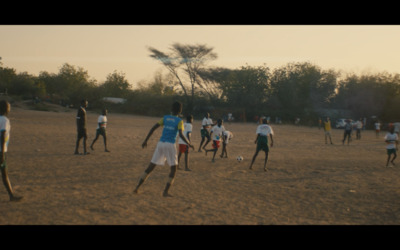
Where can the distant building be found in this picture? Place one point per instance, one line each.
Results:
(115, 100)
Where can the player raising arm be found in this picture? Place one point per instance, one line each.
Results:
(166, 149)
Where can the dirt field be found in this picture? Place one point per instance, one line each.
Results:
(308, 182)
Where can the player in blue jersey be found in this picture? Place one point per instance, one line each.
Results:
(166, 149)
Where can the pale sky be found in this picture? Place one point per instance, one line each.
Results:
(102, 49)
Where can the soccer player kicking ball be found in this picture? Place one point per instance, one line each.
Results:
(166, 149)
(262, 132)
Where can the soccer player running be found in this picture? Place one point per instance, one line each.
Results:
(262, 132)
(166, 149)
(4, 140)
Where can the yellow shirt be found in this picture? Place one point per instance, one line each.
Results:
(327, 126)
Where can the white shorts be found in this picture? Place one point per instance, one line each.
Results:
(165, 151)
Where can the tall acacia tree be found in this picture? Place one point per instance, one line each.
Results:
(188, 59)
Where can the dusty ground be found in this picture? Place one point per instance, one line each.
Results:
(308, 182)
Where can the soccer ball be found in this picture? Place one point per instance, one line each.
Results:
(239, 158)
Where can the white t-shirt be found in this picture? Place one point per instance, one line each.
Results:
(102, 120)
(228, 135)
(391, 137)
(217, 132)
(187, 128)
(206, 122)
(359, 124)
(5, 126)
(264, 130)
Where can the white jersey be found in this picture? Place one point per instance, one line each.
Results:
(5, 126)
(207, 122)
(187, 128)
(217, 132)
(264, 130)
(102, 120)
(392, 138)
(228, 136)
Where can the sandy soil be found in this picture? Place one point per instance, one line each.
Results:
(308, 182)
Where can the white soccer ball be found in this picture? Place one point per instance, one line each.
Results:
(239, 158)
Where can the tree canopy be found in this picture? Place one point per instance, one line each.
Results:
(297, 89)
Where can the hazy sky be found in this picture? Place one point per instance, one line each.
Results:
(102, 49)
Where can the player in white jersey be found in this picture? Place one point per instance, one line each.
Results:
(101, 130)
(4, 140)
(391, 140)
(206, 124)
(183, 146)
(217, 134)
(262, 132)
(227, 137)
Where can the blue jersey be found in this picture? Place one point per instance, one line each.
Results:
(171, 124)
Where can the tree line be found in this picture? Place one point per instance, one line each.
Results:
(296, 90)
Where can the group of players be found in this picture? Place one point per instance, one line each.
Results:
(174, 126)
(165, 150)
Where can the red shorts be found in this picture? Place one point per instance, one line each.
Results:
(215, 144)
(183, 148)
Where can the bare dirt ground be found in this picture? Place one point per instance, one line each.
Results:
(308, 182)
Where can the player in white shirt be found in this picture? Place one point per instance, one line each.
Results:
(262, 132)
(217, 134)
(206, 124)
(183, 146)
(101, 129)
(391, 140)
(377, 128)
(4, 140)
(227, 136)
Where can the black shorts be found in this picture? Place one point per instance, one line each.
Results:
(82, 133)
(101, 131)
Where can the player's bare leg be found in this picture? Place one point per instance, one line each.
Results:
(144, 176)
(201, 143)
(94, 140)
(179, 159)
(252, 161)
(105, 143)
(170, 181)
(394, 157)
(7, 184)
(187, 161)
(265, 162)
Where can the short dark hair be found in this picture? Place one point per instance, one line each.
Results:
(177, 107)
(189, 117)
(3, 106)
